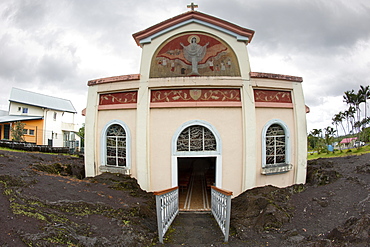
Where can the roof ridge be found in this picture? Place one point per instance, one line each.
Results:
(40, 94)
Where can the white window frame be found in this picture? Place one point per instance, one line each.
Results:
(269, 169)
(103, 145)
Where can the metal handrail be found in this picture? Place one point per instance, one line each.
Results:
(221, 209)
(167, 203)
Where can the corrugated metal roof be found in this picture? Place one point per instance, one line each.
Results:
(4, 113)
(41, 100)
(15, 118)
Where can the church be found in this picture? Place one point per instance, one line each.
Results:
(196, 115)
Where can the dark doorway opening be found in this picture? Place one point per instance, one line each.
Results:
(196, 175)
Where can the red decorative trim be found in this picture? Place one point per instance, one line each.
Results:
(194, 95)
(114, 79)
(195, 104)
(276, 76)
(261, 95)
(192, 15)
(273, 105)
(116, 107)
(118, 98)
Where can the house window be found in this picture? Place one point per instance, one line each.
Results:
(25, 110)
(196, 138)
(276, 150)
(55, 116)
(25, 131)
(31, 132)
(116, 146)
(19, 108)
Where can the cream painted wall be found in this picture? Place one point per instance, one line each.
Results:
(163, 125)
(128, 116)
(32, 110)
(240, 129)
(263, 115)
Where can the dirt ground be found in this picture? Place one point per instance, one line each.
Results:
(45, 201)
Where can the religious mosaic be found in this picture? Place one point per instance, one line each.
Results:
(118, 98)
(189, 95)
(275, 145)
(116, 146)
(196, 138)
(272, 96)
(194, 54)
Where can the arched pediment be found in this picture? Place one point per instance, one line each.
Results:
(194, 54)
(240, 33)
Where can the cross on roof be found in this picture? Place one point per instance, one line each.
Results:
(192, 6)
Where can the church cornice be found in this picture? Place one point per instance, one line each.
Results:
(240, 33)
(276, 76)
(131, 77)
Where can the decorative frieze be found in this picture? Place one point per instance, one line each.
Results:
(118, 98)
(193, 95)
(261, 95)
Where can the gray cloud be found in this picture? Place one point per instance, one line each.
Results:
(60, 45)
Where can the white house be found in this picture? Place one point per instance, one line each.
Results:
(48, 120)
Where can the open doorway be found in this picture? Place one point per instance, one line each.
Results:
(196, 175)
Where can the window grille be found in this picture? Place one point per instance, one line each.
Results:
(275, 145)
(196, 138)
(116, 146)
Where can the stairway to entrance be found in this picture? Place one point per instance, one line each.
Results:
(194, 229)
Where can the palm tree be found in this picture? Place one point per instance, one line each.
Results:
(365, 93)
(338, 119)
(349, 115)
(348, 97)
(354, 100)
(329, 135)
(317, 136)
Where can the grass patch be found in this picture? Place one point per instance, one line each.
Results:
(25, 151)
(338, 153)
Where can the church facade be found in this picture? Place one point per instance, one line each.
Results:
(196, 103)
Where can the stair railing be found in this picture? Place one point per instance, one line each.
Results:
(221, 209)
(167, 203)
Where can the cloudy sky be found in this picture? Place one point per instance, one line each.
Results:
(55, 47)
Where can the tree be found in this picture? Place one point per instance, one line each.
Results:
(349, 115)
(316, 139)
(365, 94)
(354, 100)
(336, 120)
(329, 135)
(17, 131)
(81, 133)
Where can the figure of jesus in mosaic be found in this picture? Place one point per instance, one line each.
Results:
(194, 53)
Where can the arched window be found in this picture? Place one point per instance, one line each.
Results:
(196, 138)
(275, 145)
(276, 148)
(116, 146)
